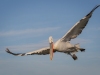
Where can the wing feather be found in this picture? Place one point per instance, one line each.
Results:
(42, 51)
(78, 27)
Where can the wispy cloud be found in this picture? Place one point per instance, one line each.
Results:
(81, 41)
(28, 31)
(28, 47)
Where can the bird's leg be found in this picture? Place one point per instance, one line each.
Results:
(73, 56)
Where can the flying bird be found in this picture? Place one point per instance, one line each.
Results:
(63, 45)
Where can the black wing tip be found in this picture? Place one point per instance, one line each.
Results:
(96, 6)
(16, 54)
(90, 13)
(7, 50)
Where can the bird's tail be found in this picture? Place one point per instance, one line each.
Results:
(78, 47)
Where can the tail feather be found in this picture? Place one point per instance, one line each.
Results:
(78, 47)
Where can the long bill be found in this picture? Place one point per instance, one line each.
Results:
(51, 50)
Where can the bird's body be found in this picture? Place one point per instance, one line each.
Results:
(63, 44)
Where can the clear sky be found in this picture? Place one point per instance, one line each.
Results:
(25, 25)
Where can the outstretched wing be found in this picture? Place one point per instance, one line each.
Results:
(78, 27)
(42, 51)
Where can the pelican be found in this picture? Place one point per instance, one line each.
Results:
(63, 45)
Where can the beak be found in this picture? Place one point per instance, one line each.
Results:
(51, 50)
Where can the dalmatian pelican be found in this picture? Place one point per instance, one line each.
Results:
(63, 45)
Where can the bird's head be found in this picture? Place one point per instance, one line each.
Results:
(50, 39)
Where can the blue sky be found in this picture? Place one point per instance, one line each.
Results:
(25, 25)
